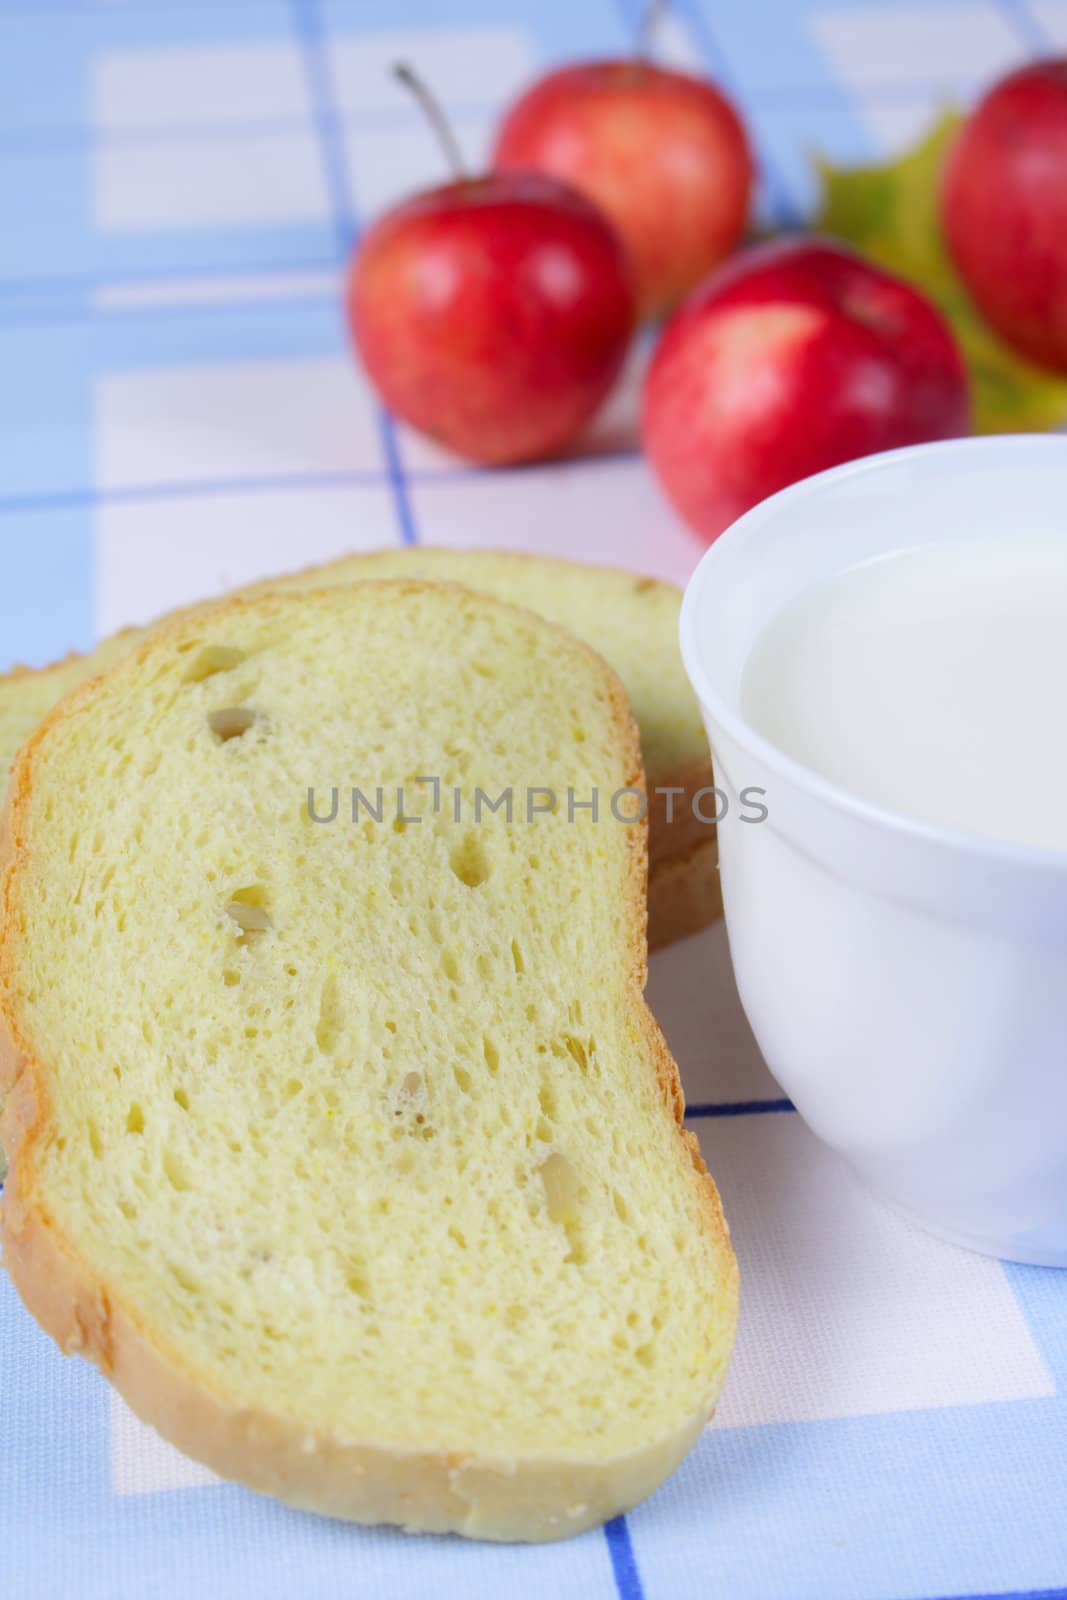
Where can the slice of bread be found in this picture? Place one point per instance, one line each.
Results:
(349, 1150)
(631, 621)
(681, 891)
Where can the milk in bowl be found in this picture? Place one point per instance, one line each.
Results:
(932, 682)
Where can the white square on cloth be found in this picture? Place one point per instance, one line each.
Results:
(606, 511)
(472, 66)
(1051, 17)
(200, 423)
(846, 1309)
(944, 45)
(677, 46)
(196, 182)
(154, 555)
(898, 124)
(183, 87)
(694, 999)
(142, 1462)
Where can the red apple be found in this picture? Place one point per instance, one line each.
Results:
(493, 313)
(663, 154)
(1004, 208)
(794, 357)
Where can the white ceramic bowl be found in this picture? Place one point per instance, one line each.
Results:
(907, 983)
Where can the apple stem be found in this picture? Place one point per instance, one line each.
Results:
(435, 116)
(651, 17)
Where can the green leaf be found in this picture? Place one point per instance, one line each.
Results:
(891, 214)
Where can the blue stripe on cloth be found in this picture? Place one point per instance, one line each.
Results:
(56, 561)
(167, 273)
(780, 199)
(398, 480)
(68, 499)
(308, 22)
(75, 309)
(760, 50)
(623, 1560)
(1028, 26)
(737, 1108)
(1015, 1594)
(59, 226)
(44, 501)
(47, 69)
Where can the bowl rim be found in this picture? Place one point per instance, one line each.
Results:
(972, 847)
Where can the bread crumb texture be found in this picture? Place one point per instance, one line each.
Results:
(631, 621)
(363, 1126)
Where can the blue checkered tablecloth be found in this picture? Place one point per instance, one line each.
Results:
(180, 183)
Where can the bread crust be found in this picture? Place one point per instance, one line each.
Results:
(684, 894)
(490, 1497)
(675, 823)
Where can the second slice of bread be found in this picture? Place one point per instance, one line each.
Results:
(350, 1150)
